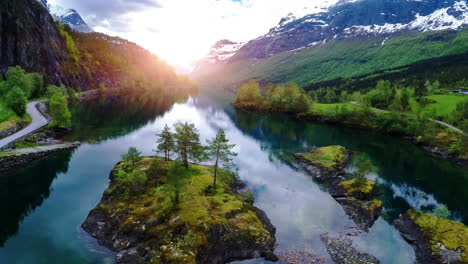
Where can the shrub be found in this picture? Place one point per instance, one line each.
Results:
(16, 100)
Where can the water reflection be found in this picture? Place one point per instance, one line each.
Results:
(412, 178)
(24, 190)
(298, 207)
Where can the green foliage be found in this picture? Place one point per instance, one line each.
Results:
(363, 168)
(249, 93)
(132, 156)
(73, 51)
(441, 211)
(53, 90)
(288, 98)
(166, 144)
(187, 141)
(17, 101)
(17, 77)
(71, 93)
(58, 108)
(136, 176)
(220, 150)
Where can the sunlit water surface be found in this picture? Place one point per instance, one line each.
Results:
(45, 203)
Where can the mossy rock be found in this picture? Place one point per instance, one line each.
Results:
(436, 240)
(364, 191)
(192, 225)
(329, 158)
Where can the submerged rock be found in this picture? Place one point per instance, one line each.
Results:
(154, 223)
(434, 239)
(342, 251)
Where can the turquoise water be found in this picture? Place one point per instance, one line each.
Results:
(45, 203)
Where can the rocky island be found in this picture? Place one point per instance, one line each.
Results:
(434, 239)
(356, 195)
(164, 213)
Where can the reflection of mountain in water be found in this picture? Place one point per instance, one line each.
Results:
(112, 117)
(400, 162)
(24, 190)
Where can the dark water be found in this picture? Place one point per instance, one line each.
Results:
(44, 204)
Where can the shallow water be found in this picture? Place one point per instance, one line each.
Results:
(47, 201)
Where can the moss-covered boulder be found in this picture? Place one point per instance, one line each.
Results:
(358, 199)
(364, 190)
(326, 162)
(174, 216)
(435, 240)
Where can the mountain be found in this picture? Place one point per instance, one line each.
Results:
(29, 38)
(349, 38)
(69, 17)
(219, 54)
(351, 18)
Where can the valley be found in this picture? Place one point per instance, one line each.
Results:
(338, 135)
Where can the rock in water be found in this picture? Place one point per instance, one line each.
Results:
(147, 219)
(342, 251)
(434, 239)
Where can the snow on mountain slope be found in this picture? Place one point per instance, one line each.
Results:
(69, 17)
(353, 18)
(453, 17)
(223, 50)
(219, 54)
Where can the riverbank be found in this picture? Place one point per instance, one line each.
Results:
(443, 142)
(177, 218)
(16, 158)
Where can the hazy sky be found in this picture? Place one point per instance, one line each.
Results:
(182, 31)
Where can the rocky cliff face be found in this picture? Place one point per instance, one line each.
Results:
(349, 18)
(29, 38)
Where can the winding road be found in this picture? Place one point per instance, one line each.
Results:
(38, 121)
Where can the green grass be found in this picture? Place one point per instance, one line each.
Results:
(330, 157)
(345, 58)
(445, 103)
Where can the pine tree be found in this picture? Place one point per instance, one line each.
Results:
(188, 146)
(221, 151)
(166, 143)
(132, 155)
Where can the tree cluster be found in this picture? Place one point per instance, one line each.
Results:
(289, 98)
(186, 145)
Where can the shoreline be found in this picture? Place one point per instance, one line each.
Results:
(430, 149)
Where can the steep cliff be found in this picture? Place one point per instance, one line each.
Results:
(29, 38)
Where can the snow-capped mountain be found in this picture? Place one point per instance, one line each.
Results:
(219, 54)
(69, 17)
(355, 18)
(223, 50)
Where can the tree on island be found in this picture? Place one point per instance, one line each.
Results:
(132, 155)
(220, 150)
(187, 143)
(363, 168)
(166, 143)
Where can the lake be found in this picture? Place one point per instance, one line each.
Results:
(45, 203)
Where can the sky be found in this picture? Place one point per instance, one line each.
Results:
(182, 31)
